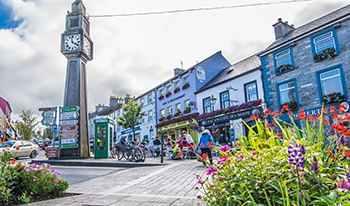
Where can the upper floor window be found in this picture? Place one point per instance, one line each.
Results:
(162, 113)
(331, 83)
(168, 89)
(161, 92)
(150, 115)
(225, 100)
(283, 60)
(186, 80)
(178, 107)
(141, 101)
(150, 98)
(287, 94)
(206, 105)
(324, 44)
(187, 103)
(177, 84)
(170, 110)
(251, 93)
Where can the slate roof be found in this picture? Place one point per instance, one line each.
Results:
(109, 110)
(306, 28)
(242, 67)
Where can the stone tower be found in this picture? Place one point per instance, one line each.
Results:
(77, 47)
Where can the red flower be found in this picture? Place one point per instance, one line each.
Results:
(301, 115)
(274, 123)
(325, 110)
(342, 106)
(347, 154)
(290, 113)
(346, 134)
(204, 156)
(254, 116)
(285, 107)
(211, 148)
(267, 111)
(275, 114)
(238, 144)
(325, 121)
(347, 117)
(209, 144)
(202, 145)
(330, 152)
(333, 109)
(279, 134)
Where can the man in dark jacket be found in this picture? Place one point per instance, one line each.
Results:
(205, 143)
(157, 144)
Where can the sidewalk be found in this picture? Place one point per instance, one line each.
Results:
(172, 183)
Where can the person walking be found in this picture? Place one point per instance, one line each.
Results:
(205, 143)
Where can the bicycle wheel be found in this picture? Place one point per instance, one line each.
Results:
(120, 154)
(130, 154)
(138, 154)
(143, 155)
(112, 153)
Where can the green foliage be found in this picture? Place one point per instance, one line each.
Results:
(132, 114)
(27, 124)
(48, 133)
(262, 171)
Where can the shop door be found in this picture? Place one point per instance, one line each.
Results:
(101, 141)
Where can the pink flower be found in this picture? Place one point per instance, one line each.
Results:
(34, 180)
(199, 196)
(211, 170)
(225, 148)
(55, 180)
(201, 182)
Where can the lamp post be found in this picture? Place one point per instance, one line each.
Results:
(212, 103)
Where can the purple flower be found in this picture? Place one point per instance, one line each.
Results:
(315, 166)
(296, 155)
(199, 196)
(34, 180)
(225, 148)
(55, 180)
(201, 182)
(211, 170)
(341, 140)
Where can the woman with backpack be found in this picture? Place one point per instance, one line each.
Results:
(205, 143)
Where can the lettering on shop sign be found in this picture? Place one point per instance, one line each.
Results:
(176, 98)
(178, 124)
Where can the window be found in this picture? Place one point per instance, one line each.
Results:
(324, 40)
(168, 89)
(141, 101)
(187, 103)
(150, 115)
(206, 105)
(162, 113)
(186, 80)
(161, 92)
(177, 84)
(150, 98)
(251, 93)
(283, 60)
(170, 110)
(225, 100)
(287, 93)
(178, 107)
(331, 80)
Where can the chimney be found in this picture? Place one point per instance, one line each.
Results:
(282, 28)
(178, 71)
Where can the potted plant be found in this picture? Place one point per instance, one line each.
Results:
(177, 113)
(292, 105)
(168, 94)
(187, 110)
(177, 89)
(333, 97)
(185, 86)
(161, 97)
(327, 53)
(169, 116)
(284, 68)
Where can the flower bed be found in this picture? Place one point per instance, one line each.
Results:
(333, 98)
(178, 113)
(169, 116)
(283, 164)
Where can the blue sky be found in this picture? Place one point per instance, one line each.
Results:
(5, 17)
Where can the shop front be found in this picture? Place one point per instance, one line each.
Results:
(128, 133)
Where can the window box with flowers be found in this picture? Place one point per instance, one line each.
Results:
(177, 89)
(177, 113)
(325, 54)
(292, 105)
(169, 116)
(187, 110)
(161, 97)
(185, 86)
(161, 119)
(284, 68)
(168, 94)
(333, 98)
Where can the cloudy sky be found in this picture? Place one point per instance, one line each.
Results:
(132, 54)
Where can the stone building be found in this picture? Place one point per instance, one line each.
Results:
(5, 120)
(308, 66)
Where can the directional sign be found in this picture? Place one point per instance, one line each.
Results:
(69, 141)
(69, 132)
(54, 128)
(68, 136)
(49, 114)
(48, 121)
(47, 109)
(69, 127)
(69, 115)
(69, 122)
(70, 109)
(68, 146)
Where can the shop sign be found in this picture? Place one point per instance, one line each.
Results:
(177, 124)
(173, 99)
(225, 118)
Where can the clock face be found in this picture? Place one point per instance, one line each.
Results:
(200, 73)
(87, 47)
(72, 42)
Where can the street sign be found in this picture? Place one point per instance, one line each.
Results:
(54, 128)
(68, 136)
(52, 152)
(69, 122)
(69, 141)
(70, 109)
(68, 146)
(48, 114)
(69, 132)
(48, 121)
(69, 127)
(69, 115)
(47, 109)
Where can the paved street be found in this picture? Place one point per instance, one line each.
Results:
(171, 184)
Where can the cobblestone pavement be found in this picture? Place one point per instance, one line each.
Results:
(172, 184)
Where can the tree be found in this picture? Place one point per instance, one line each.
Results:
(48, 133)
(27, 124)
(130, 118)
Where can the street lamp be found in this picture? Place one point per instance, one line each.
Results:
(212, 103)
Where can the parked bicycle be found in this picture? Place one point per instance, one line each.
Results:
(130, 152)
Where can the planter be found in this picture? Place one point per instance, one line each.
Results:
(167, 94)
(283, 68)
(325, 54)
(178, 113)
(161, 97)
(188, 110)
(161, 119)
(292, 105)
(177, 90)
(168, 117)
(333, 98)
(185, 86)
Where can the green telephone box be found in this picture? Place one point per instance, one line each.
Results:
(103, 137)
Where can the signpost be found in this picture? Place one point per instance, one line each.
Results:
(54, 128)
(70, 109)
(69, 122)
(49, 114)
(69, 115)
(69, 135)
(52, 152)
(69, 141)
(69, 146)
(48, 122)
(69, 127)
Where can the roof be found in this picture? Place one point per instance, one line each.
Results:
(242, 67)
(109, 110)
(311, 26)
(4, 108)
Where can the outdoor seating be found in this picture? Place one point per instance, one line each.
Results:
(156, 150)
(185, 151)
(169, 152)
(150, 151)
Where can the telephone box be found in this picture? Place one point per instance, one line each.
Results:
(103, 137)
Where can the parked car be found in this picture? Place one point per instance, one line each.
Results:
(40, 143)
(20, 148)
(51, 145)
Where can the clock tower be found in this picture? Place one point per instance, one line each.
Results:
(77, 47)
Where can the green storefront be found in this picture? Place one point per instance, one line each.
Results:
(103, 137)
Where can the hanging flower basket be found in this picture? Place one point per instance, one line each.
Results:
(187, 110)
(161, 97)
(161, 119)
(178, 113)
(284, 68)
(292, 105)
(327, 53)
(185, 86)
(333, 98)
(169, 116)
(167, 94)
(177, 89)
